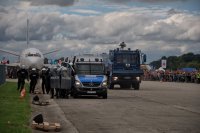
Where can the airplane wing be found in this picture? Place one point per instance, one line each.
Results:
(13, 64)
(49, 52)
(10, 52)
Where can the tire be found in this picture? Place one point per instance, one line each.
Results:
(105, 96)
(136, 86)
(74, 93)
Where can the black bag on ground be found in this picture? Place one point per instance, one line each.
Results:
(38, 118)
(36, 98)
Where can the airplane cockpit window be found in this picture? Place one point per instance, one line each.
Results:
(33, 55)
(37, 54)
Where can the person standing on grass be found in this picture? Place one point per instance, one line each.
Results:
(22, 74)
(33, 77)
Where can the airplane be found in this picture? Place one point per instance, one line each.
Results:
(30, 57)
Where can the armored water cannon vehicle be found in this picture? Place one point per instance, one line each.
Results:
(125, 67)
(89, 76)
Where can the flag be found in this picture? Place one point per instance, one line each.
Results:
(164, 63)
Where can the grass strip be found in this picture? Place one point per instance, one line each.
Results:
(15, 112)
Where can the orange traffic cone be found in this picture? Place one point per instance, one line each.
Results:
(23, 93)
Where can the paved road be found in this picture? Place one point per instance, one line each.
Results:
(156, 108)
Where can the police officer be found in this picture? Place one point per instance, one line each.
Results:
(22, 74)
(33, 77)
(47, 80)
(55, 82)
(64, 86)
(43, 80)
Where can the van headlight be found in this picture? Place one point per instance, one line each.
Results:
(77, 83)
(138, 78)
(104, 84)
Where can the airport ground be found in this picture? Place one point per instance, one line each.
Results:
(158, 107)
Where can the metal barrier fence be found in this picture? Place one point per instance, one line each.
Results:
(2, 74)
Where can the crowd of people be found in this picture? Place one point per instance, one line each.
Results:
(172, 76)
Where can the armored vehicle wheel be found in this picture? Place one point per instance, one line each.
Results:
(136, 86)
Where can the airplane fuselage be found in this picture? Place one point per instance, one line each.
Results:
(32, 58)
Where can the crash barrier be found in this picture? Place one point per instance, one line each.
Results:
(2, 74)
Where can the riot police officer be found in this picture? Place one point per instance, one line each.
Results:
(22, 74)
(43, 80)
(55, 82)
(47, 80)
(65, 80)
(33, 77)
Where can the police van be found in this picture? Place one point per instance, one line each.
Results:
(89, 76)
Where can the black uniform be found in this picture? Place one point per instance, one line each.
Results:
(33, 77)
(47, 80)
(43, 81)
(22, 74)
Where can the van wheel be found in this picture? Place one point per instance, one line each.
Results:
(104, 96)
(74, 94)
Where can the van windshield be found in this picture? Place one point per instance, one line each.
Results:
(89, 69)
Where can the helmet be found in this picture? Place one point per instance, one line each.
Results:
(23, 66)
(55, 68)
(33, 69)
(43, 69)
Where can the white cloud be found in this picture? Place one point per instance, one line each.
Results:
(38, 2)
(157, 34)
(84, 11)
(148, 1)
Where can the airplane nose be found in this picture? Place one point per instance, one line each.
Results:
(35, 62)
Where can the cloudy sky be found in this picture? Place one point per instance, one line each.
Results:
(157, 27)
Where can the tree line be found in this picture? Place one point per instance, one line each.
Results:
(177, 62)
